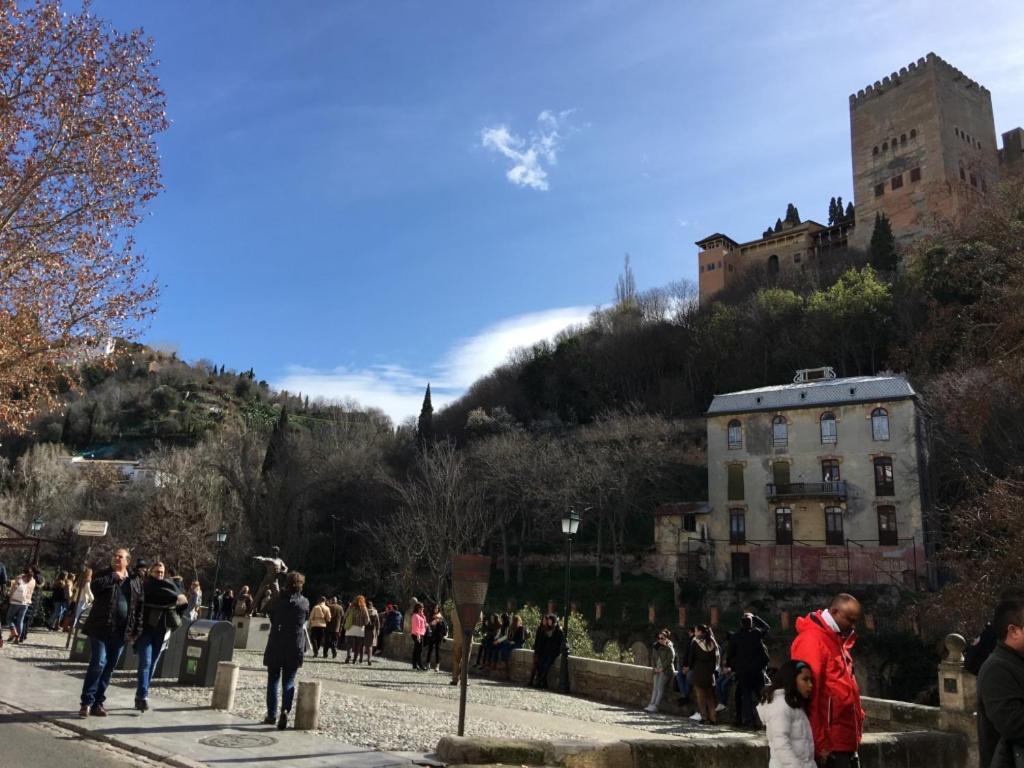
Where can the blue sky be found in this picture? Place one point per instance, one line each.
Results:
(363, 197)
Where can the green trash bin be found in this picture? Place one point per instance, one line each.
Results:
(207, 643)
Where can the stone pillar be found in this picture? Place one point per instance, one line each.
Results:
(307, 706)
(957, 686)
(224, 685)
(682, 615)
(784, 621)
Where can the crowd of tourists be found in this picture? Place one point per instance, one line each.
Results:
(810, 707)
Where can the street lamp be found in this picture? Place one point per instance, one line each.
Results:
(35, 526)
(222, 537)
(570, 525)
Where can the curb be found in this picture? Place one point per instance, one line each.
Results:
(175, 761)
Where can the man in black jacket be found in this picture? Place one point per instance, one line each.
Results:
(117, 598)
(1001, 689)
(748, 659)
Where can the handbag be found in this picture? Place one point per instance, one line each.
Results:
(355, 631)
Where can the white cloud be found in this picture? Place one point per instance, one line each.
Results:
(398, 391)
(529, 154)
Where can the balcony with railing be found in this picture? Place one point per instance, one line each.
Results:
(784, 491)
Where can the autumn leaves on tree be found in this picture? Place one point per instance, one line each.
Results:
(80, 106)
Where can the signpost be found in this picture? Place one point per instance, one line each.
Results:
(91, 528)
(470, 574)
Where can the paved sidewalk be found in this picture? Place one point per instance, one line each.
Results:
(183, 736)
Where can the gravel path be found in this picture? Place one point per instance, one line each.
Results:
(391, 707)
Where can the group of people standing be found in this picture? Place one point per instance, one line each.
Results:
(140, 607)
(69, 596)
(354, 628)
(811, 707)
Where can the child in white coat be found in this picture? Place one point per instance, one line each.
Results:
(783, 710)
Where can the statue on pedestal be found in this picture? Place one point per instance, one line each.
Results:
(273, 567)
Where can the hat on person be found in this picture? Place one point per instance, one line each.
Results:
(142, 563)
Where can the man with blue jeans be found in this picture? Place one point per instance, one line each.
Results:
(107, 629)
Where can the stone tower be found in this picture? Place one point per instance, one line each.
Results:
(924, 149)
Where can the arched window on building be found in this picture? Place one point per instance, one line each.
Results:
(780, 432)
(783, 525)
(773, 265)
(888, 536)
(735, 435)
(834, 526)
(828, 428)
(879, 424)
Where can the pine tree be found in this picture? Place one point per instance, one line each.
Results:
(425, 425)
(778, 225)
(882, 250)
(792, 215)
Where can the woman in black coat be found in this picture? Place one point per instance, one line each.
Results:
(285, 646)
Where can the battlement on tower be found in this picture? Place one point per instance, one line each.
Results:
(914, 69)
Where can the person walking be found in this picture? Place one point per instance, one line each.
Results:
(663, 667)
(418, 630)
(35, 606)
(286, 644)
(106, 627)
(195, 600)
(705, 658)
(747, 657)
(370, 632)
(437, 631)
(552, 649)
(458, 646)
(319, 617)
(356, 619)
(1001, 690)
(824, 640)
(783, 710)
(82, 599)
(227, 605)
(162, 607)
(60, 596)
(243, 603)
(333, 631)
(19, 600)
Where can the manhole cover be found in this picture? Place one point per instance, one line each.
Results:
(238, 740)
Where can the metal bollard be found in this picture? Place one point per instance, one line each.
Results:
(224, 685)
(307, 706)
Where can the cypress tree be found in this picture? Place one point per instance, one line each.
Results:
(839, 210)
(778, 225)
(832, 217)
(792, 214)
(882, 249)
(849, 212)
(425, 425)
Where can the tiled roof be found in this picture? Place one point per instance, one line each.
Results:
(683, 508)
(855, 389)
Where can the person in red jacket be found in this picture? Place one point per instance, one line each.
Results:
(824, 639)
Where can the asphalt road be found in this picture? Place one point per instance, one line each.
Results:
(25, 742)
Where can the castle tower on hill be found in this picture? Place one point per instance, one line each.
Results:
(923, 149)
(923, 143)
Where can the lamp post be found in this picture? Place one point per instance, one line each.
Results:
(34, 528)
(570, 525)
(222, 537)
(334, 543)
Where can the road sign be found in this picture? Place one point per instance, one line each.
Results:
(91, 528)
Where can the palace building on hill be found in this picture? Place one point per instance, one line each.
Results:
(923, 146)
